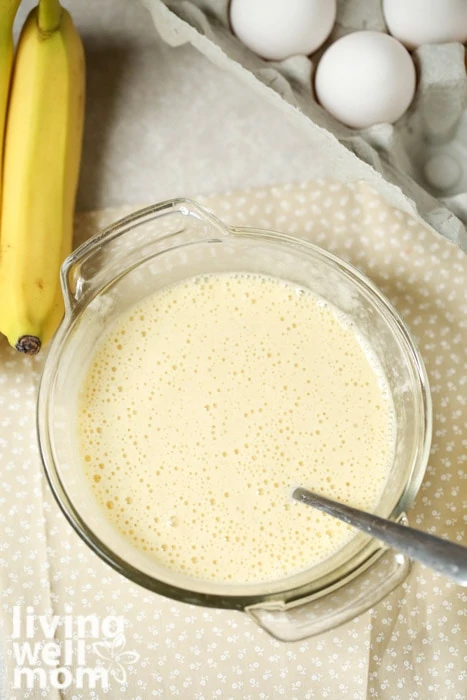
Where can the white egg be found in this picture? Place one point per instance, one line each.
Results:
(365, 78)
(277, 29)
(417, 22)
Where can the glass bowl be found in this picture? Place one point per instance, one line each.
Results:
(166, 243)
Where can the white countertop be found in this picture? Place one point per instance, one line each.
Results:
(164, 122)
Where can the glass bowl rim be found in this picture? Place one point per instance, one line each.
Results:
(368, 548)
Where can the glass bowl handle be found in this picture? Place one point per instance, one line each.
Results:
(291, 622)
(132, 239)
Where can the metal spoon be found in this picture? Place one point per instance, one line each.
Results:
(441, 555)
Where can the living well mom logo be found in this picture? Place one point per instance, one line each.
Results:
(91, 650)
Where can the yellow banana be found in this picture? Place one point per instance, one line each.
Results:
(41, 167)
(8, 9)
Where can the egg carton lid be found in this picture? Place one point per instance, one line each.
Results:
(404, 162)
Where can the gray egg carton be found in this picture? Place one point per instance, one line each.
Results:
(416, 164)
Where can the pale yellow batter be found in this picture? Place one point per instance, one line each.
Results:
(209, 401)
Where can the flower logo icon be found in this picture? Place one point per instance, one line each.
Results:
(111, 651)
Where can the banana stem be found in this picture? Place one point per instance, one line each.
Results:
(49, 16)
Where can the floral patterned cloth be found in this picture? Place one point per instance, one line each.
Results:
(411, 646)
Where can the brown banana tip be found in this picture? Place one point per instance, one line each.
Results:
(28, 344)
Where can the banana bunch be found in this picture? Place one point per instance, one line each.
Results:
(43, 107)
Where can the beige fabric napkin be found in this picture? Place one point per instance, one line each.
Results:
(411, 646)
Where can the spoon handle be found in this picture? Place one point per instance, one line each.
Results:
(441, 555)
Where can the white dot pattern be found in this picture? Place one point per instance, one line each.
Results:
(412, 645)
